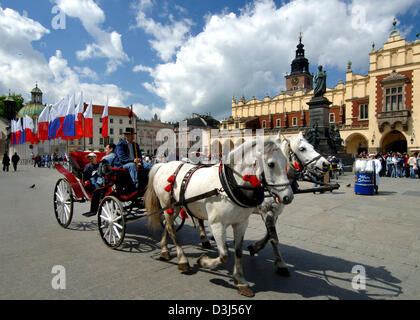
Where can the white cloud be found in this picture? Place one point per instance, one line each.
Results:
(107, 44)
(248, 53)
(169, 37)
(21, 66)
(146, 112)
(86, 72)
(142, 68)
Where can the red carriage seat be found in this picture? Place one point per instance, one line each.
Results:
(78, 161)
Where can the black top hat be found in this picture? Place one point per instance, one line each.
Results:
(129, 131)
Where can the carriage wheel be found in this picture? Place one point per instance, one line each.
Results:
(179, 222)
(111, 222)
(63, 202)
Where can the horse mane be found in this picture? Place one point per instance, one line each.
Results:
(268, 143)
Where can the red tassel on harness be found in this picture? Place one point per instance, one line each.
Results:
(252, 179)
(171, 179)
(183, 214)
(170, 211)
(168, 188)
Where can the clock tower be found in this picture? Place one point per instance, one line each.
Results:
(299, 78)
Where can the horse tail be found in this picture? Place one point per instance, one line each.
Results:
(151, 200)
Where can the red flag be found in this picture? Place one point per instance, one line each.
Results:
(105, 120)
(79, 118)
(88, 124)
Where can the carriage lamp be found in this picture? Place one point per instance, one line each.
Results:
(412, 140)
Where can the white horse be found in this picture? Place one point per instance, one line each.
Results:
(302, 152)
(264, 160)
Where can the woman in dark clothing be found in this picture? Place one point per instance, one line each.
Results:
(6, 162)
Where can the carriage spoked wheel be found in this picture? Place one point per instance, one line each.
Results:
(179, 222)
(63, 202)
(111, 222)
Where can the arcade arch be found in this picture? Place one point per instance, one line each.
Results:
(356, 143)
(394, 141)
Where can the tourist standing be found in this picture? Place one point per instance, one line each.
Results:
(15, 160)
(412, 162)
(389, 164)
(6, 162)
(418, 164)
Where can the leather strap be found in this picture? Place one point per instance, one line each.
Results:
(245, 199)
(184, 186)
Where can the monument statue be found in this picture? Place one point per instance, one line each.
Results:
(312, 135)
(335, 140)
(320, 82)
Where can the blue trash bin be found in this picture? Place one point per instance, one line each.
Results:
(364, 183)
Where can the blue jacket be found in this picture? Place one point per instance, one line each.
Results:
(123, 154)
(109, 158)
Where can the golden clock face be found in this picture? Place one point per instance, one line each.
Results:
(295, 81)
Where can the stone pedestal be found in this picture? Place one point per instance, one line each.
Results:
(319, 112)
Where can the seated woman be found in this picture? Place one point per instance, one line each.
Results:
(107, 159)
(90, 172)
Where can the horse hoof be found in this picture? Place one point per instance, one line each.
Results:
(245, 291)
(283, 272)
(184, 267)
(165, 256)
(200, 259)
(206, 245)
(251, 250)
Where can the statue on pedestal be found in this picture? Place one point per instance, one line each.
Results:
(320, 82)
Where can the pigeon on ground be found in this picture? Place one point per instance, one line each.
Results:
(32, 186)
(348, 185)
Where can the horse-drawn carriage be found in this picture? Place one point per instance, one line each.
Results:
(225, 194)
(116, 203)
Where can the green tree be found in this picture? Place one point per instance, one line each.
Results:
(19, 103)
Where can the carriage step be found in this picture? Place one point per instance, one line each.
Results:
(89, 214)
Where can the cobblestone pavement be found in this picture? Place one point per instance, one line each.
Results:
(323, 237)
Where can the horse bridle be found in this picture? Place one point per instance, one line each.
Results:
(264, 182)
(310, 161)
(292, 155)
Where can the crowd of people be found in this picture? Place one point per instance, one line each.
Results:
(47, 160)
(396, 164)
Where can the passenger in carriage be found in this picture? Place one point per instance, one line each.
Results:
(110, 154)
(107, 159)
(128, 155)
(90, 172)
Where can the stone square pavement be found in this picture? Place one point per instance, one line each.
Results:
(322, 238)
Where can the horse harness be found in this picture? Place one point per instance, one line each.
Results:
(243, 196)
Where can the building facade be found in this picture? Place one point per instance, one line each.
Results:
(376, 112)
(147, 131)
(195, 133)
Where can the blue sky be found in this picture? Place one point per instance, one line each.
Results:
(181, 56)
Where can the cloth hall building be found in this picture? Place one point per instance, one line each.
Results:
(377, 112)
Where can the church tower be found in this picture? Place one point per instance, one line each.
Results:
(299, 78)
(36, 95)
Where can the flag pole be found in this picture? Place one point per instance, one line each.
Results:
(135, 137)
